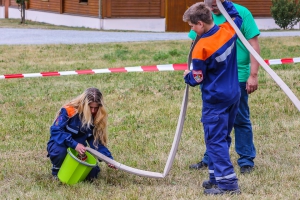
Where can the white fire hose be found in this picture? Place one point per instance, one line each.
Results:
(171, 155)
(173, 150)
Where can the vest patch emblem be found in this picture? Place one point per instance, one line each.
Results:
(198, 75)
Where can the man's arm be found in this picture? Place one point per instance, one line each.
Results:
(252, 82)
(233, 13)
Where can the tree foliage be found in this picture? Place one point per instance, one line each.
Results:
(286, 13)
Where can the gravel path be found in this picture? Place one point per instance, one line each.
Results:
(10, 36)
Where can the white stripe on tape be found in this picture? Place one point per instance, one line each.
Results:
(134, 69)
(275, 62)
(97, 71)
(165, 67)
(65, 73)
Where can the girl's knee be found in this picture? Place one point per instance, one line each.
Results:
(93, 173)
(57, 154)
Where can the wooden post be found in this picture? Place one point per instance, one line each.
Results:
(162, 8)
(6, 4)
(99, 9)
(61, 6)
(103, 7)
(27, 4)
(108, 8)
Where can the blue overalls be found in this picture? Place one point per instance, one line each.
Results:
(67, 131)
(218, 123)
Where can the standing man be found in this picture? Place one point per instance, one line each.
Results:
(248, 81)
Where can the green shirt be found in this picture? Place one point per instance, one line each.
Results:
(249, 30)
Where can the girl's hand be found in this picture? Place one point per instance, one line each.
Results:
(112, 166)
(80, 148)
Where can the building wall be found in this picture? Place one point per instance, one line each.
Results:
(146, 8)
(2, 12)
(149, 24)
(258, 8)
(45, 5)
(133, 8)
(13, 3)
(91, 8)
(78, 17)
(175, 10)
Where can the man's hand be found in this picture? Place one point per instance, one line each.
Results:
(252, 84)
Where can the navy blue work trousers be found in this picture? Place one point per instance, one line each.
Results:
(244, 142)
(218, 124)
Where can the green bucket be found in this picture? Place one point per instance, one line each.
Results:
(74, 170)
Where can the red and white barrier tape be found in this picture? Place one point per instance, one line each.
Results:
(283, 61)
(153, 68)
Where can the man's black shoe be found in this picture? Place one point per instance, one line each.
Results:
(247, 169)
(218, 191)
(199, 165)
(208, 185)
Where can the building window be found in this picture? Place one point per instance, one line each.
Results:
(83, 1)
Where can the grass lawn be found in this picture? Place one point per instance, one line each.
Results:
(143, 111)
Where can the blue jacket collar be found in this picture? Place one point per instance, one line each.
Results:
(212, 31)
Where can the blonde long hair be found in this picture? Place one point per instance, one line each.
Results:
(81, 105)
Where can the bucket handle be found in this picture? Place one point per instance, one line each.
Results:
(82, 162)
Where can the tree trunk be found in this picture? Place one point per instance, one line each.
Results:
(23, 12)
